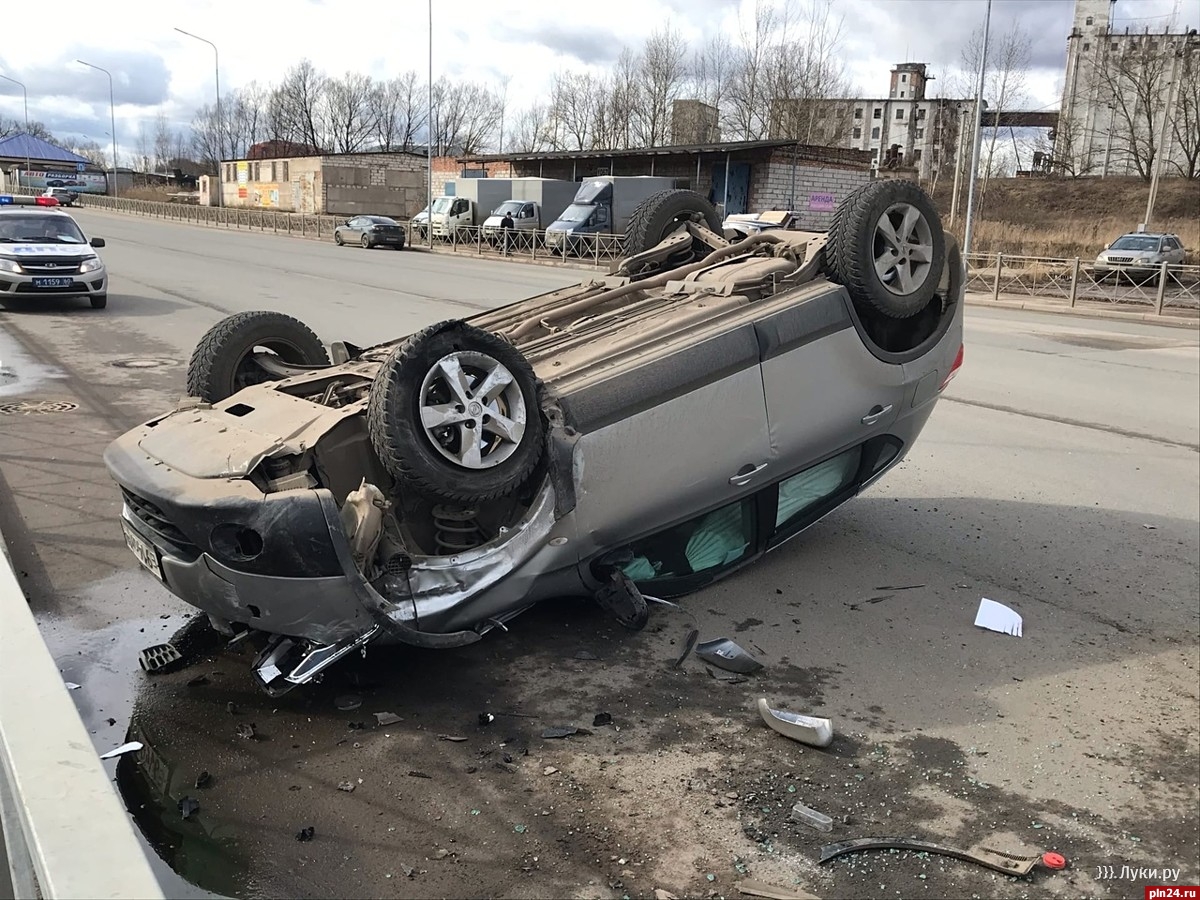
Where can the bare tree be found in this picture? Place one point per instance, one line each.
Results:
(531, 131)
(206, 138)
(804, 69)
(142, 158)
(664, 72)
(348, 112)
(624, 98)
(400, 112)
(1135, 79)
(749, 90)
(464, 118)
(1185, 124)
(1005, 75)
(163, 137)
(36, 129)
(712, 70)
(502, 106)
(299, 97)
(576, 105)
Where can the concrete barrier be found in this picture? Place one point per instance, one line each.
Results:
(66, 832)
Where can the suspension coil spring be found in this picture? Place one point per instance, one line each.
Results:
(456, 529)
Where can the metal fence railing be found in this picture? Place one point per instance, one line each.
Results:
(65, 829)
(1048, 278)
(1073, 280)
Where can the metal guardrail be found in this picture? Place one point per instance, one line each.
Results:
(1047, 278)
(1161, 287)
(66, 832)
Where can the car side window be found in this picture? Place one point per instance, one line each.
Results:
(702, 546)
(803, 494)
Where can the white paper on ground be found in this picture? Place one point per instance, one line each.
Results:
(998, 617)
(122, 750)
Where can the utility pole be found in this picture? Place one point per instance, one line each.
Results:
(112, 112)
(429, 136)
(975, 140)
(220, 118)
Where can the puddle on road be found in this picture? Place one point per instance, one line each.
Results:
(18, 373)
(190, 859)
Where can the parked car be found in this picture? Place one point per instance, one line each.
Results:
(1139, 254)
(653, 431)
(43, 253)
(370, 231)
(64, 196)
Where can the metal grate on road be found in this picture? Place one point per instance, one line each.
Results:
(36, 407)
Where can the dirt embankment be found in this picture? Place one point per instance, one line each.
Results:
(1068, 217)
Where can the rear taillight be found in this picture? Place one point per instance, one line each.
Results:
(958, 361)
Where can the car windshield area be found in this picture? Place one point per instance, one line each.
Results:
(441, 204)
(1136, 242)
(508, 207)
(576, 212)
(16, 228)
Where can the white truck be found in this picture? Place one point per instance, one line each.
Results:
(535, 203)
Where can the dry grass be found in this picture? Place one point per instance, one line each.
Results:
(1066, 218)
(161, 194)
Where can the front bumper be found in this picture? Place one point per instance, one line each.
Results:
(88, 284)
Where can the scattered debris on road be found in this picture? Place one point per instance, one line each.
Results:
(306, 833)
(247, 731)
(806, 729)
(131, 747)
(689, 644)
(486, 718)
(203, 780)
(454, 738)
(188, 807)
(72, 686)
(998, 617)
(770, 891)
(198, 681)
(347, 786)
(561, 731)
(809, 816)
(996, 860)
(387, 718)
(549, 770)
(601, 719)
(725, 654)
(159, 658)
(347, 702)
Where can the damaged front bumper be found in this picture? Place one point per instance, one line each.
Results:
(282, 563)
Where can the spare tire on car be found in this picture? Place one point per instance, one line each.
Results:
(455, 414)
(660, 214)
(887, 248)
(226, 359)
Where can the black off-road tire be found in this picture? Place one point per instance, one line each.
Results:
(400, 440)
(851, 250)
(99, 301)
(212, 372)
(659, 213)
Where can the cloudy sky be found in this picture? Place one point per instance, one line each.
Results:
(156, 69)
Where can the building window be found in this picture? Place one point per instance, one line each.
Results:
(902, 95)
(858, 112)
(916, 156)
(1088, 21)
(857, 133)
(256, 172)
(921, 113)
(285, 171)
(899, 114)
(874, 132)
(920, 133)
(1086, 46)
(878, 113)
(1114, 45)
(904, 78)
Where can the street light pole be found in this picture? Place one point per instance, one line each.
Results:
(975, 140)
(429, 138)
(220, 118)
(25, 94)
(112, 113)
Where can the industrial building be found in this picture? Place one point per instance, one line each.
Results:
(1108, 76)
(342, 184)
(739, 177)
(904, 130)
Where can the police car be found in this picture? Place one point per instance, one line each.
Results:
(43, 253)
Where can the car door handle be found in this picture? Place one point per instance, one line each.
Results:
(876, 413)
(745, 474)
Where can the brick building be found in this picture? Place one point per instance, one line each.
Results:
(743, 176)
(386, 184)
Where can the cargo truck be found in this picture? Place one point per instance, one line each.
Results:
(535, 203)
(602, 205)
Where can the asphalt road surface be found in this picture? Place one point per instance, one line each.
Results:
(1059, 475)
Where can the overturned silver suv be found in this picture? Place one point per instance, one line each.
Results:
(646, 431)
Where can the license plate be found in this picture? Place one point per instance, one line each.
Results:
(145, 552)
(51, 282)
